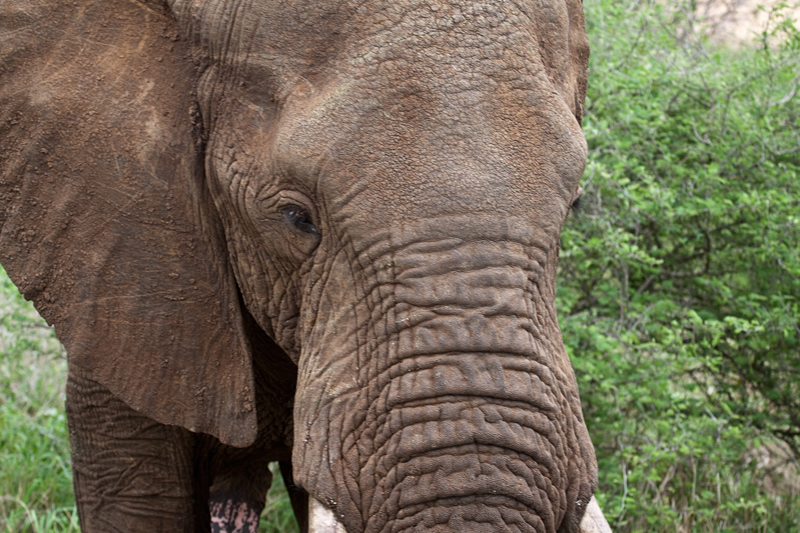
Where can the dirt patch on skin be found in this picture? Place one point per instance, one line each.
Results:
(739, 22)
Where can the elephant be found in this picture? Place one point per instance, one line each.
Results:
(323, 233)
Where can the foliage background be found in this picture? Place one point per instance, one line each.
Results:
(678, 291)
(680, 277)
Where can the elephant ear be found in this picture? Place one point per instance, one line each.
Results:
(105, 219)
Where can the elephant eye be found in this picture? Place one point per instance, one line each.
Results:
(576, 203)
(299, 218)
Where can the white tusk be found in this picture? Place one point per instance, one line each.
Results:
(593, 521)
(321, 519)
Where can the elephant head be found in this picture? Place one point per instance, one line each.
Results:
(379, 184)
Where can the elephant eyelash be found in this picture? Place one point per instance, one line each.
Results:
(300, 219)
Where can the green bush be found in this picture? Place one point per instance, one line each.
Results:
(35, 473)
(680, 276)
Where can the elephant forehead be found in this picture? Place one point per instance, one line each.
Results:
(458, 33)
(288, 39)
(419, 102)
(422, 149)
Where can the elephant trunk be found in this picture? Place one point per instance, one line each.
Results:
(458, 410)
(466, 439)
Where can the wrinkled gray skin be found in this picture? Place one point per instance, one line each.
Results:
(385, 181)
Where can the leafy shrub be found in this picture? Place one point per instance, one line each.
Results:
(35, 473)
(679, 283)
